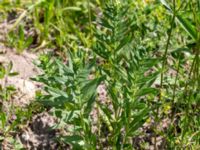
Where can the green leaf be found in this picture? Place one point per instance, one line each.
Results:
(61, 80)
(56, 92)
(82, 75)
(71, 9)
(73, 140)
(137, 121)
(57, 102)
(124, 41)
(112, 93)
(147, 80)
(106, 115)
(3, 120)
(2, 71)
(182, 49)
(165, 4)
(90, 103)
(28, 42)
(90, 87)
(105, 23)
(187, 26)
(13, 74)
(149, 63)
(121, 72)
(10, 66)
(64, 69)
(10, 88)
(21, 33)
(145, 91)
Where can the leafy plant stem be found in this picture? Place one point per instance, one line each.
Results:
(89, 17)
(174, 89)
(163, 66)
(83, 126)
(167, 47)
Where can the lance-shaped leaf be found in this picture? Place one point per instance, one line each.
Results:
(90, 87)
(187, 26)
(185, 23)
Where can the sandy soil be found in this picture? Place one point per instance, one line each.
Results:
(36, 134)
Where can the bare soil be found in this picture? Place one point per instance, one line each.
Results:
(36, 134)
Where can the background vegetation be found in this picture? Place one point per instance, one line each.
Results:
(144, 53)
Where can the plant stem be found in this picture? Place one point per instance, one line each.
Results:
(163, 68)
(174, 92)
(89, 16)
(166, 49)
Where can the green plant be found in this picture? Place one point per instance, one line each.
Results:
(114, 61)
(6, 91)
(144, 55)
(12, 118)
(19, 40)
(186, 15)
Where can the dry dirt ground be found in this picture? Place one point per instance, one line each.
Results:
(23, 65)
(36, 134)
